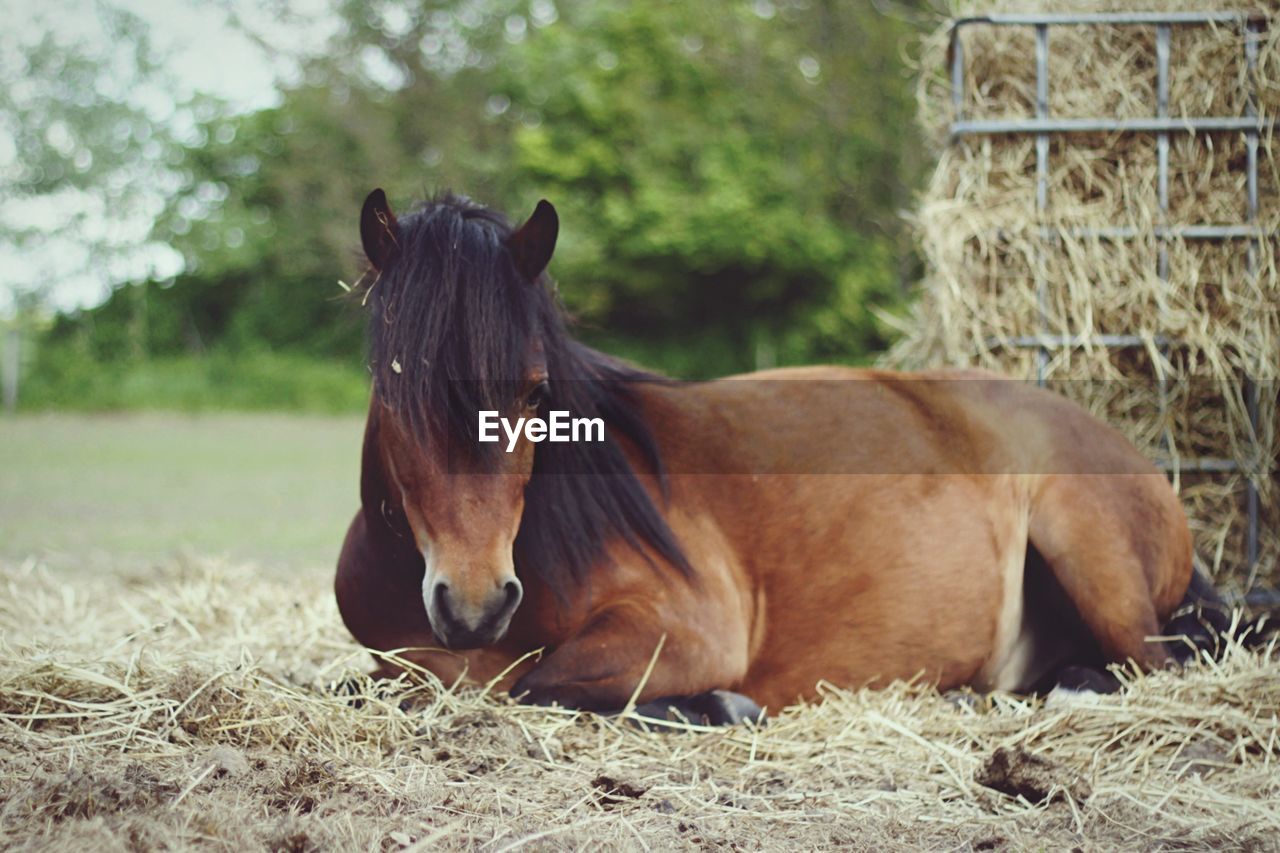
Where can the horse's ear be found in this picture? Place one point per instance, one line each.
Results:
(533, 242)
(378, 230)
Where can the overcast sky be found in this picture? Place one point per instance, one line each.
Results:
(204, 53)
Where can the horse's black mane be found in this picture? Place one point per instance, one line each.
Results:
(452, 325)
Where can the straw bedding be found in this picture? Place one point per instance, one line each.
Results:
(999, 269)
(195, 704)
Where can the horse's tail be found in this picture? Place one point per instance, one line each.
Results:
(1205, 622)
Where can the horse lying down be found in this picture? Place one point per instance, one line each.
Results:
(724, 545)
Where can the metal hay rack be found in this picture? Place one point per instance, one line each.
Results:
(1044, 127)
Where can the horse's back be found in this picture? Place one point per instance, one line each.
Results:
(824, 420)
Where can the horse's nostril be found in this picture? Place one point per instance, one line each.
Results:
(514, 592)
(441, 595)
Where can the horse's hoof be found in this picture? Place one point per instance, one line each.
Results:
(1082, 679)
(538, 699)
(713, 708)
(349, 689)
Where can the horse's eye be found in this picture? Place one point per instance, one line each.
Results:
(539, 395)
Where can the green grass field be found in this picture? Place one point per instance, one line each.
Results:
(79, 491)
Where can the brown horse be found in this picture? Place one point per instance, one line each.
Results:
(755, 535)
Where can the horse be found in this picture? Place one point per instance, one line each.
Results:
(730, 544)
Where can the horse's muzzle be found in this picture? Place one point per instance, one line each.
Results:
(460, 624)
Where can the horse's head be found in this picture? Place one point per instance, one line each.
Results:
(460, 323)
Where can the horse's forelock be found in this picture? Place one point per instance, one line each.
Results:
(450, 321)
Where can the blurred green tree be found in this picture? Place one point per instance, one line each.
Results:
(732, 169)
(82, 172)
(73, 111)
(729, 175)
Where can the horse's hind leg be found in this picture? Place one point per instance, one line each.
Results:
(1119, 547)
(1201, 622)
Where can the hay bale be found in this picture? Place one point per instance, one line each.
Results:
(999, 269)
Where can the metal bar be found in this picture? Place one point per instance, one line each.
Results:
(1251, 488)
(1171, 124)
(1204, 466)
(1252, 125)
(1042, 112)
(1162, 232)
(1042, 184)
(957, 75)
(1065, 341)
(1162, 140)
(1260, 598)
(1212, 232)
(1162, 192)
(1251, 113)
(1251, 37)
(1251, 143)
(1120, 18)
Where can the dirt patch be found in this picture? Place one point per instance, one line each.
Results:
(86, 792)
(1035, 779)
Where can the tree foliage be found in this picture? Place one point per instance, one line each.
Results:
(728, 176)
(82, 158)
(731, 172)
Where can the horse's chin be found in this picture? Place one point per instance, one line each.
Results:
(465, 641)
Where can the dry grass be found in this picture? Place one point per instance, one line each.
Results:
(194, 705)
(999, 269)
